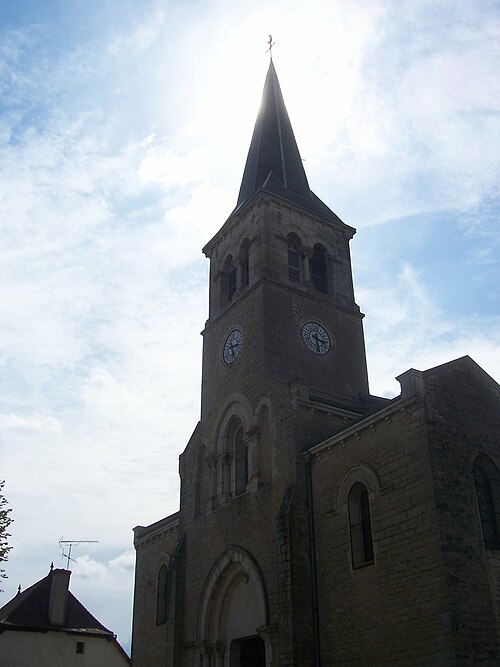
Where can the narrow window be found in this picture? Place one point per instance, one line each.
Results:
(486, 506)
(228, 283)
(245, 265)
(294, 260)
(244, 271)
(317, 265)
(360, 526)
(231, 282)
(161, 596)
(241, 462)
(80, 647)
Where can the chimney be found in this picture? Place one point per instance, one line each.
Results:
(412, 382)
(58, 596)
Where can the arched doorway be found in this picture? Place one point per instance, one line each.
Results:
(233, 615)
(248, 652)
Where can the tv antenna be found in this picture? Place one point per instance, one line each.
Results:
(69, 544)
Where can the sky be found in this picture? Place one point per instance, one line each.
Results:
(124, 128)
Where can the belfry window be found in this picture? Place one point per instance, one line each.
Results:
(487, 487)
(294, 260)
(161, 596)
(360, 526)
(229, 280)
(245, 265)
(317, 265)
(231, 283)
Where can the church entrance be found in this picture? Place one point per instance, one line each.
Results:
(248, 652)
(233, 628)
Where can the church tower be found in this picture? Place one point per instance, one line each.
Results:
(283, 367)
(318, 525)
(282, 316)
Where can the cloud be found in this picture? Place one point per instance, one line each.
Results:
(125, 561)
(163, 166)
(142, 37)
(35, 423)
(406, 328)
(88, 568)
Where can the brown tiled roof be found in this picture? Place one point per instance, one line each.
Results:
(30, 610)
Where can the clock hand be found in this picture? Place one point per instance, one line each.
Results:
(315, 337)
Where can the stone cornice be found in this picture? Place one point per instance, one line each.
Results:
(147, 534)
(398, 406)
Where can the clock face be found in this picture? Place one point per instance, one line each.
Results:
(232, 346)
(316, 338)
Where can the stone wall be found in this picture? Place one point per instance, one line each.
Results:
(463, 417)
(390, 611)
(155, 545)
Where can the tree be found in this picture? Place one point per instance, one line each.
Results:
(5, 522)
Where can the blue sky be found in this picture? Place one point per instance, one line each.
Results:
(124, 128)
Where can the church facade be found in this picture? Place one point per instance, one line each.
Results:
(318, 524)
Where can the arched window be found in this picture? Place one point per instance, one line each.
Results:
(240, 462)
(487, 488)
(161, 596)
(318, 271)
(229, 279)
(238, 451)
(295, 261)
(360, 526)
(245, 264)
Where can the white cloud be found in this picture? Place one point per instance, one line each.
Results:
(125, 561)
(88, 568)
(142, 37)
(31, 423)
(163, 166)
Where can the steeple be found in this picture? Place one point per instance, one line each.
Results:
(273, 162)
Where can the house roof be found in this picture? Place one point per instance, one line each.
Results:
(30, 610)
(274, 163)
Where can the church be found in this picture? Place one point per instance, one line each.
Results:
(319, 525)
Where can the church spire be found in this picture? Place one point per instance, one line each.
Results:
(274, 163)
(273, 151)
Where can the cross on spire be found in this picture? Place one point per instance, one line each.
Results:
(271, 44)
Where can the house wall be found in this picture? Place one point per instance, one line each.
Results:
(51, 649)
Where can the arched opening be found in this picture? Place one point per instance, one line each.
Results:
(360, 526)
(161, 595)
(229, 278)
(318, 268)
(240, 462)
(237, 448)
(233, 614)
(245, 264)
(295, 259)
(248, 652)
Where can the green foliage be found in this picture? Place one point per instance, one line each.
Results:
(5, 522)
